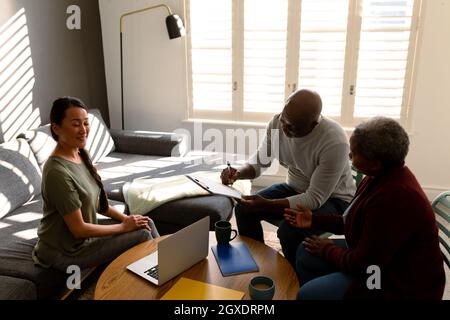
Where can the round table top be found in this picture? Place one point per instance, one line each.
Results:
(118, 283)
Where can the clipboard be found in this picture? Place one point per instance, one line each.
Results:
(214, 187)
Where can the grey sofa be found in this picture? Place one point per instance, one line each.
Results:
(120, 156)
(159, 155)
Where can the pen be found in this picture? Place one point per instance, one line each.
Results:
(229, 167)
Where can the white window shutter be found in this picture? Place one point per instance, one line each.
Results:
(211, 54)
(264, 65)
(244, 56)
(383, 54)
(323, 32)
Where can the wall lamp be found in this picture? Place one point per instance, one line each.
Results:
(175, 28)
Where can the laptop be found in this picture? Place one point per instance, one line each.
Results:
(175, 254)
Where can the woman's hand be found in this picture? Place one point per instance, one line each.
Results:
(315, 245)
(299, 218)
(135, 222)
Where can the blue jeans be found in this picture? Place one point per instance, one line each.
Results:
(320, 280)
(249, 222)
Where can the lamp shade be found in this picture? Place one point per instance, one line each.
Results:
(175, 26)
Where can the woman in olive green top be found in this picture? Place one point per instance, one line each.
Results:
(73, 194)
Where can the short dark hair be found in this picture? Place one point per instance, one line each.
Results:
(382, 139)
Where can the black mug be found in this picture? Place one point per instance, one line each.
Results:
(223, 232)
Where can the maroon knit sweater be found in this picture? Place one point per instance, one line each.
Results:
(390, 224)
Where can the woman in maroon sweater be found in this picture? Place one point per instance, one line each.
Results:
(391, 248)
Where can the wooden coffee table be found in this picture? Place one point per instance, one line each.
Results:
(116, 282)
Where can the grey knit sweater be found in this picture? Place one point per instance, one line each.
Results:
(318, 164)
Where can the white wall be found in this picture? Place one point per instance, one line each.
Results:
(155, 82)
(429, 156)
(154, 66)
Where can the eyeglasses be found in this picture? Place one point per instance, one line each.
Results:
(299, 129)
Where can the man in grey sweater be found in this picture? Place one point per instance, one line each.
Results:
(315, 151)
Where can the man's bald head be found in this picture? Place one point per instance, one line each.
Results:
(301, 113)
(303, 104)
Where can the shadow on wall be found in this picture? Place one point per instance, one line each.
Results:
(17, 79)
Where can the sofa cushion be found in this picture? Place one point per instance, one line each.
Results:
(100, 142)
(17, 289)
(41, 143)
(19, 175)
(149, 143)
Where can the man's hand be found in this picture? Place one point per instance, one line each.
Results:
(229, 175)
(255, 201)
(259, 203)
(315, 245)
(299, 218)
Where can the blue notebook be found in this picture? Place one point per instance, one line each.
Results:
(234, 258)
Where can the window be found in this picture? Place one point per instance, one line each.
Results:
(246, 56)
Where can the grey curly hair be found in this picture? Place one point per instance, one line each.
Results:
(382, 139)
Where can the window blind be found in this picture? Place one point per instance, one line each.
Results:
(323, 31)
(211, 55)
(383, 54)
(246, 56)
(265, 37)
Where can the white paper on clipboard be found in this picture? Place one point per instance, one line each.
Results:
(216, 187)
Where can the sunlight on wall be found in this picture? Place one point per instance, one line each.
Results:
(16, 78)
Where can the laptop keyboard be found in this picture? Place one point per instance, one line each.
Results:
(152, 272)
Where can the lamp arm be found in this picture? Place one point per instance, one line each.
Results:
(142, 10)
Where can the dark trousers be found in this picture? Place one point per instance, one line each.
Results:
(249, 221)
(319, 279)
(105, 249)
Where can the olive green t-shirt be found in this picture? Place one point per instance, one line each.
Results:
(66, 187)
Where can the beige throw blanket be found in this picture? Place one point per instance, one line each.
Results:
(144, 195)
